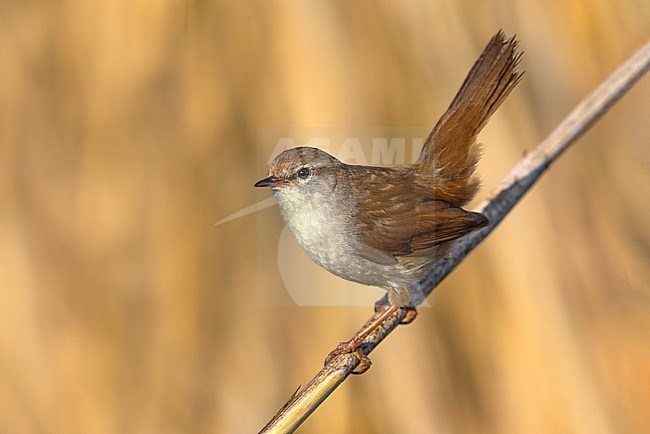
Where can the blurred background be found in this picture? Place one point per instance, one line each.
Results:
(129, 128)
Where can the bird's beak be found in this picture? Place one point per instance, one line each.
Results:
(271, 181)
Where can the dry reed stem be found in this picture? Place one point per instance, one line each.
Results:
(509, 191)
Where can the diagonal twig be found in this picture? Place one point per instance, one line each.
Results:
(509, 191)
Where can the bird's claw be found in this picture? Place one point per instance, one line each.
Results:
(351, 348)
(411, 314)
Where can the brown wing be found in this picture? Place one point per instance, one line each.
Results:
(441, 222)
(395, 219)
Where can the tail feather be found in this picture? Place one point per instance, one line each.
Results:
(450, 153)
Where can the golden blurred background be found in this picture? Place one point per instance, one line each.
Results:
(129, 128)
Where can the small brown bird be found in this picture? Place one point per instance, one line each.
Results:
(387, 227)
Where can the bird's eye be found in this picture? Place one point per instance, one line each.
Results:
(304, 173)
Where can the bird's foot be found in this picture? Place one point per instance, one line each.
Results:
(351, 347)
(411, 314)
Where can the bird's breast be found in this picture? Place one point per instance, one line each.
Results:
(320, 229)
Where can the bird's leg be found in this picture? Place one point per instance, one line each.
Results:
(411, 312)
(352, 346)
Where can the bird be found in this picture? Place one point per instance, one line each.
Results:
(388, 226)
